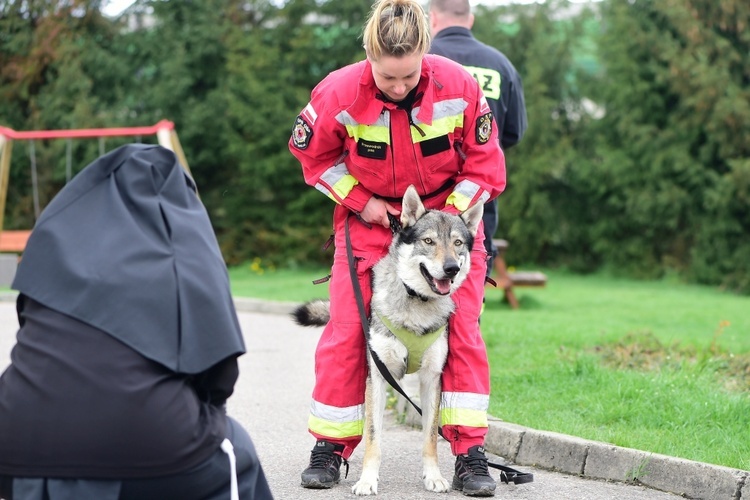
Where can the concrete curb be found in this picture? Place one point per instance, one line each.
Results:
(597, 460)
(591, 459)
(570, 455)
(244, 304)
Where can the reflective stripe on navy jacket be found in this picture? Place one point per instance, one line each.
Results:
(353, 145)
(496, 75)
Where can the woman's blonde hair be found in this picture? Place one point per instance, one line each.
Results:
(396, 28)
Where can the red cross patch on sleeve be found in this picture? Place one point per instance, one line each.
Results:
(301, 134)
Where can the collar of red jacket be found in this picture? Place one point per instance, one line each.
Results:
(366, 108)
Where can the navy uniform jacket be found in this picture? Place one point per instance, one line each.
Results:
(496, 75)
(502, 87)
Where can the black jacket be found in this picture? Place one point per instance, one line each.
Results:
(504, 94)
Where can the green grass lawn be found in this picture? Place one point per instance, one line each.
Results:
(657, 366)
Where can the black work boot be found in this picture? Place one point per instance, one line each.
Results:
(472, 476)
(323, 471)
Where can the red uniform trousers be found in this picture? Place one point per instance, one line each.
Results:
(337, 412)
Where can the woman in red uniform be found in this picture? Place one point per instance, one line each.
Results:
(371, 129)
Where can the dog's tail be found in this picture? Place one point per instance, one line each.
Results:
(314, 313)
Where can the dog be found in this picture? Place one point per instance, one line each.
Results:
(427, 261)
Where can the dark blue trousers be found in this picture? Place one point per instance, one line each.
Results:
(209, 480)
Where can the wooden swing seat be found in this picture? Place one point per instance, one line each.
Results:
(14, 241)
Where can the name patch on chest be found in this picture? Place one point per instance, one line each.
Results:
(371, 149)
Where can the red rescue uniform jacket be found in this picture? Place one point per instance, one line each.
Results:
(353, 144)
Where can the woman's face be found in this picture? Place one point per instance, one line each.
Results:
(397, 76)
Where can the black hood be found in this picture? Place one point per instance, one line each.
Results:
(127, 247)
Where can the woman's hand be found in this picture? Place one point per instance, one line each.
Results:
(376, 212)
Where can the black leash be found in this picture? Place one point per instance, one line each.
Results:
(507, 474)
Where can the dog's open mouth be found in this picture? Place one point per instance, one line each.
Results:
(440, 287)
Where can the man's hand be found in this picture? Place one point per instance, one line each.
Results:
(376, 212)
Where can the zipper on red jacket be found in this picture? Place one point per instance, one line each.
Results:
(412, 124)
(410, 121)
(408, 111)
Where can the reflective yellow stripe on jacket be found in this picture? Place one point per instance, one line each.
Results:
(335, 422)
(464, 408)
(340, 181)
(447, 116)
(377, 132)
(463, 193)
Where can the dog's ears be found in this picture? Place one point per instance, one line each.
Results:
(412, 207)
(472, 216)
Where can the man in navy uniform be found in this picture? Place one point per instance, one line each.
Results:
(451, 22)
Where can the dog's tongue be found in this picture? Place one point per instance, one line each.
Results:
(443, 286)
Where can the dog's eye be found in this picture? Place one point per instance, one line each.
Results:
(427, 241)
(458, 243)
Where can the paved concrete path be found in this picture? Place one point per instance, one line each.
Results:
(272, 400)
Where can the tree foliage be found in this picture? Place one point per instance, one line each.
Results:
(540, 211)
(670, 159)
(56, 71)
(636, 158)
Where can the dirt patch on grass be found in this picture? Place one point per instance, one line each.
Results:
(643, 351)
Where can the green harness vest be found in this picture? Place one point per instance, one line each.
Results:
(416, 345)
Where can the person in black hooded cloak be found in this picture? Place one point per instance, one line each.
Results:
(127, 348)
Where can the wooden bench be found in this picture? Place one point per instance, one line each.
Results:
(507, 280)
(13, 241)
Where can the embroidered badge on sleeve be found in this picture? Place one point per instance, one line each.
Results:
(302, 133)
(484, 128)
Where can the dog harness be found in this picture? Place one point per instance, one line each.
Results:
(415, 344)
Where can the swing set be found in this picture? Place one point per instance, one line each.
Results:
(15, 241)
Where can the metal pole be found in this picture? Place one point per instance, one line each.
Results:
(68, 161)
(6, 146)
(34, 180)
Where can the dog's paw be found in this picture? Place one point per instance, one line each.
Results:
(365, 487)
(436, 483)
